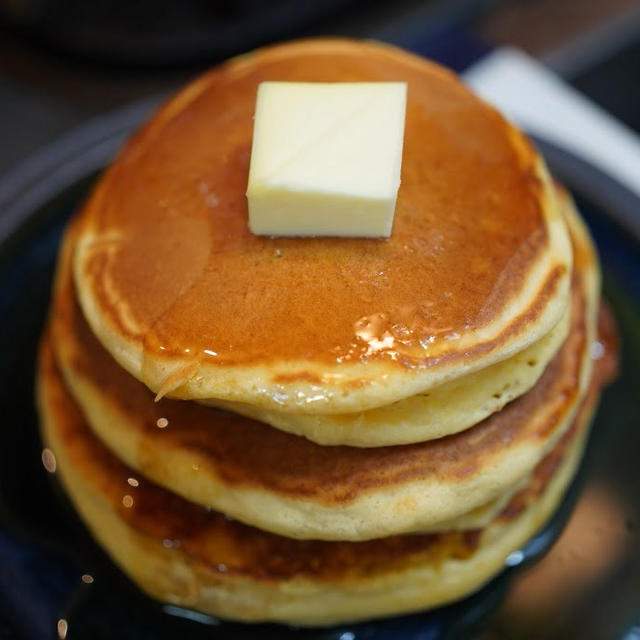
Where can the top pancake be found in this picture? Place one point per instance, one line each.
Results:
(190, 302)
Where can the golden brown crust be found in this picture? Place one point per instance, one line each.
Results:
(243, 452)
(229, 547)
(176, 271)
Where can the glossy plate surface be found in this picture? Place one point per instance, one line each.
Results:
(588, 584)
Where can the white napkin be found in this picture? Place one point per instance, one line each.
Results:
(543, 104)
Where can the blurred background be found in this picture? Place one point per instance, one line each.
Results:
(64, 61)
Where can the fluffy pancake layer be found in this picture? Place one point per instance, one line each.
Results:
(288, 485)
(181, 553)
(188, 301)
(446, 409)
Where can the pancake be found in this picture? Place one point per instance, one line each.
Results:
(183, 554)
(188, 301)
(291, 486)
(446, 409)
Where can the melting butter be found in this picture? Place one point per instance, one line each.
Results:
(326, 158)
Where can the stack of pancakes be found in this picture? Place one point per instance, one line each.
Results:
(314, 430)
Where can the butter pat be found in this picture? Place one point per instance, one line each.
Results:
(326, 158)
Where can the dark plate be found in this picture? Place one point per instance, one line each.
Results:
(587, 585)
